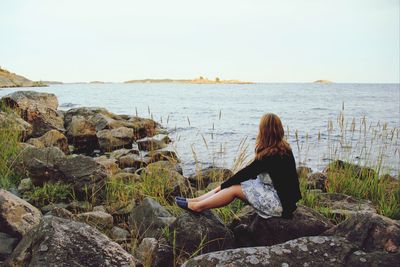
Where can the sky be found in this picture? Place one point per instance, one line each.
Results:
(252, 40)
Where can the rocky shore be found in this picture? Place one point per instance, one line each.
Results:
(117, 176)
(9, 79)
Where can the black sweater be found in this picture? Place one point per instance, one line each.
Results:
(282, 170)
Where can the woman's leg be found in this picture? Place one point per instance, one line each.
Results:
(204, 196)
(220, 199)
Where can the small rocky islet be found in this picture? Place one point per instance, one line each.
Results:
(86, 148)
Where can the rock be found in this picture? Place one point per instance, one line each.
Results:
(143, 127)
(317, 180)
(25, 185)
(342, 205)
(370, 231)
(62, 242)
(153, 143)
(304, 251)
(350, 169)
(61, 212)
(38, 109)
(119, 235)
(7, 245)
(110, 165)
(252, 230)
(99, 219)
(164, 154)
(81, 134)
(201, 179)
(360, 258)
(155, 253)
(49, 139)
(109, 140)
(303, 171)
(17, 217)
(149, 218)
(21, 126)
(204, 232)
(86, 176)
(126, 177)
(99, 208)
(133, 161)
(165, 165)
(116, 154)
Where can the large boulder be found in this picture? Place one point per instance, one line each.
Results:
(110, 165)
(360, 258)
(149, 218)
(370, 232)
(49, 139)
(252, 230)
(84, 174)
(143, 127)
(153, 143)
(81, 134)
(305, 251)
(203, 232)
(203, 178)
(38, 109)
(63, 242)
(17, 217)
(11, 120)
(109, 140)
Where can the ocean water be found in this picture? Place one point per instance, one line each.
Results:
(212, 124)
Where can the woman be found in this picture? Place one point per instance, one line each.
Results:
(269, 183)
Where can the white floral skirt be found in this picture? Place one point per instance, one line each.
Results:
(263, 197)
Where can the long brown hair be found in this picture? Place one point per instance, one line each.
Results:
(270, 137)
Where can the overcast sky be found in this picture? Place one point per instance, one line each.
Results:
(254, 40)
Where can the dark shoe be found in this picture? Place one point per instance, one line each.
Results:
(180, 198)
(184, 205)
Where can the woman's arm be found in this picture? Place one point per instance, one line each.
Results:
(249, 172)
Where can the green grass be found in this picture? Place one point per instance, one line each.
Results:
(49, 193)
(10, 137)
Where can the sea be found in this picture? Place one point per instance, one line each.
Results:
(217, 124)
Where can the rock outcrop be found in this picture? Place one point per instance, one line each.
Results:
(63, 242)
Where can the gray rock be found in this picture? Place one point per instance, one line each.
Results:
(99, 219)
(110, 165)
(208, 175)
(155, 253)
(165, 154)
(304, 251)
(149, 218)
(110, 140)
(360, 258)
(61, 212)
(7, 245)
(119, 235)
(99, 208)
(252, 230)
(132, 161)
(17, 217)
(62, 242)
(204, 232)
(342, 205)
(370, 231)
(116, 154)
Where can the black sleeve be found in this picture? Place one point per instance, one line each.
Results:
(249, 172)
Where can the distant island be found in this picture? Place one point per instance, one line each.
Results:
(9, 79)
(322, 81)
(199, 80)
